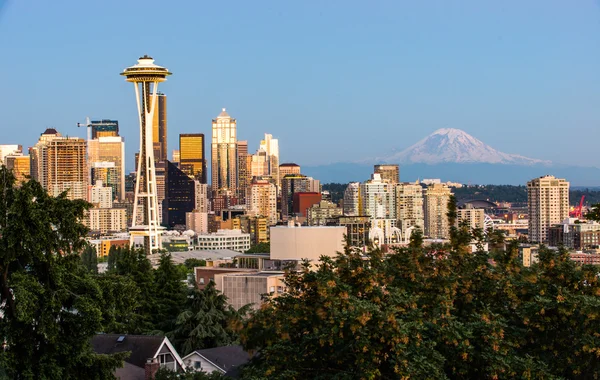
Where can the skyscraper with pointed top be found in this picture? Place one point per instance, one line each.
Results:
(224, 155)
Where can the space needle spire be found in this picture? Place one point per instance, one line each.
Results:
(146, 76)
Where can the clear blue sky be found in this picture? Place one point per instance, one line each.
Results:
(333, 80)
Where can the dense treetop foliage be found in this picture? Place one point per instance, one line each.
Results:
(438, 312)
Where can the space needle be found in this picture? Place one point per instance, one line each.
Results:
(146, 76)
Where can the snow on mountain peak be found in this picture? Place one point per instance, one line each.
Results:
(450, 145)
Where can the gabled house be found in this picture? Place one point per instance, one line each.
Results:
(226, 360)
(148, 354)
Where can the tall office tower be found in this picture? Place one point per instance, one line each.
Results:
(352, 201)
(224, 155)
(176, 156)
(271, 147)
(7, 150)
(389, 172)
(291, 184)
(262, 200)
(159, 128)
(106, 158)
(192, 160)
(180, 196)
(20, 166)
(244, 168)
(201, 197)
(104, 128)
(288, 168)
(146, 76)
(409, 206)
(548, 204)
(378, 198)
(435, 207)
(260, 164)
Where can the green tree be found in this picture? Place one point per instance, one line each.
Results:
(134, 264)
(50, 302)
(89, 259)
(207, 321)
(436, 312)
(120, 304)
(193, 263)
(169, 294)
(264, 247)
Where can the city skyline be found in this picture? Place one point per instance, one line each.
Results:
(367, 67)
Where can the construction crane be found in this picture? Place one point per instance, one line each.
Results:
(578, 211)
(87, 124)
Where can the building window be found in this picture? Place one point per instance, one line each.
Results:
(202, 280)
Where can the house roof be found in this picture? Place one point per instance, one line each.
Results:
(130, 372)
(142, 347)
(227, 358)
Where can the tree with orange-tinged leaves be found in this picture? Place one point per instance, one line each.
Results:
(431, 312)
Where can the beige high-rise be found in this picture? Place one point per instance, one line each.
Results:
(60, 164)
(435, 207)
(20, 166)
(224, 155)
(107, 164)
(389, 172)
(548, 204)
(409, 206)
(262, 200)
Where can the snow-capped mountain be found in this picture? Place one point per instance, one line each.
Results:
(449, 145)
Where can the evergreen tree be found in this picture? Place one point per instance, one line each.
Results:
(89, 259)
(169, 294)
(207, 321)
(134, 264)
(49, 301)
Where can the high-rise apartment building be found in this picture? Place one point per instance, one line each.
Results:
(104, 128)
(473, 217)
(288, 168)
(159, 128)
(409, 206)
(20, 166)
(271, 147)
(318, 214)
(101, 196)
(389, 172)
(259, 166)
(106, 157)
(192, 160)
(548, 204)
(60, 164)
(436, 210)
(262, 200)
(201, 196)
(352, 201)
(224, 154)
(378, 198)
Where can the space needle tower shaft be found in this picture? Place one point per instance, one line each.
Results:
(145, 221)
